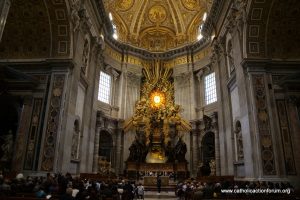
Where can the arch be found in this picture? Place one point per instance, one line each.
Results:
(36, 29)
(255, 29)
(208, 147)
(267, 23)
(282, 33)
(105, 145)
(10, 107)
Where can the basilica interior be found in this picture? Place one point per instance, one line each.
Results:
(130, 88)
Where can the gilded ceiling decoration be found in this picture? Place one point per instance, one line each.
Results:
(157, 25)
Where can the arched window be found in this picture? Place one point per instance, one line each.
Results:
(104, 92)
(210, 88)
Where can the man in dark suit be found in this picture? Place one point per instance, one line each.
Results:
(158, 182)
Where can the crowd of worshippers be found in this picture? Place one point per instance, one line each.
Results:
(194, 190)
(65, 187)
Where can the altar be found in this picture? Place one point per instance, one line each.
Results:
(137, 170)
(152, 180)
(158, 147)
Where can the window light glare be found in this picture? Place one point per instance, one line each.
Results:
(204, 16)
(213, 36)
(110, 16)
(115, 36)
(200, 36)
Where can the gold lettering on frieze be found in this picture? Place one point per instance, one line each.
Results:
(181, 60)
(200, 55)
(113, 54)
(134, 60)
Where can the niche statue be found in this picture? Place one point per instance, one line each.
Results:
(180, 150)
(7, 147)
(137, 151)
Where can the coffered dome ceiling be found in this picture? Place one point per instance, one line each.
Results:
(157, 25)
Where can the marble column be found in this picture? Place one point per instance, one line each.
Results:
(118, 151)
(195, 151)
(192, 87)
(114, 100)
(122, 92)
(115, 76)
(4, 8)
(217, 145)
(96, 150)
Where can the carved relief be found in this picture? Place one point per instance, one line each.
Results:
(286, 138)
(124, 5)
(7, 147)
(75, 6)
(267, 154)
(217, 50)
(33, 134)
(52, 123)
(157, 14)
(229, 53)
(239, 141)
(190, 4)
(207, 122)
(212, 165)
(75, 141)
(85, 56)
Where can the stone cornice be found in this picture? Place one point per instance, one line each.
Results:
(41, 64)
(265, 65)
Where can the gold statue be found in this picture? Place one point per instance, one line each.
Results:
(156, 109)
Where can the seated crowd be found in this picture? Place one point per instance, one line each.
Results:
(194, 190)
(65, 187)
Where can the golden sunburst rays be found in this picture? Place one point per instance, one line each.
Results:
(155, 71)
(157, 101)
